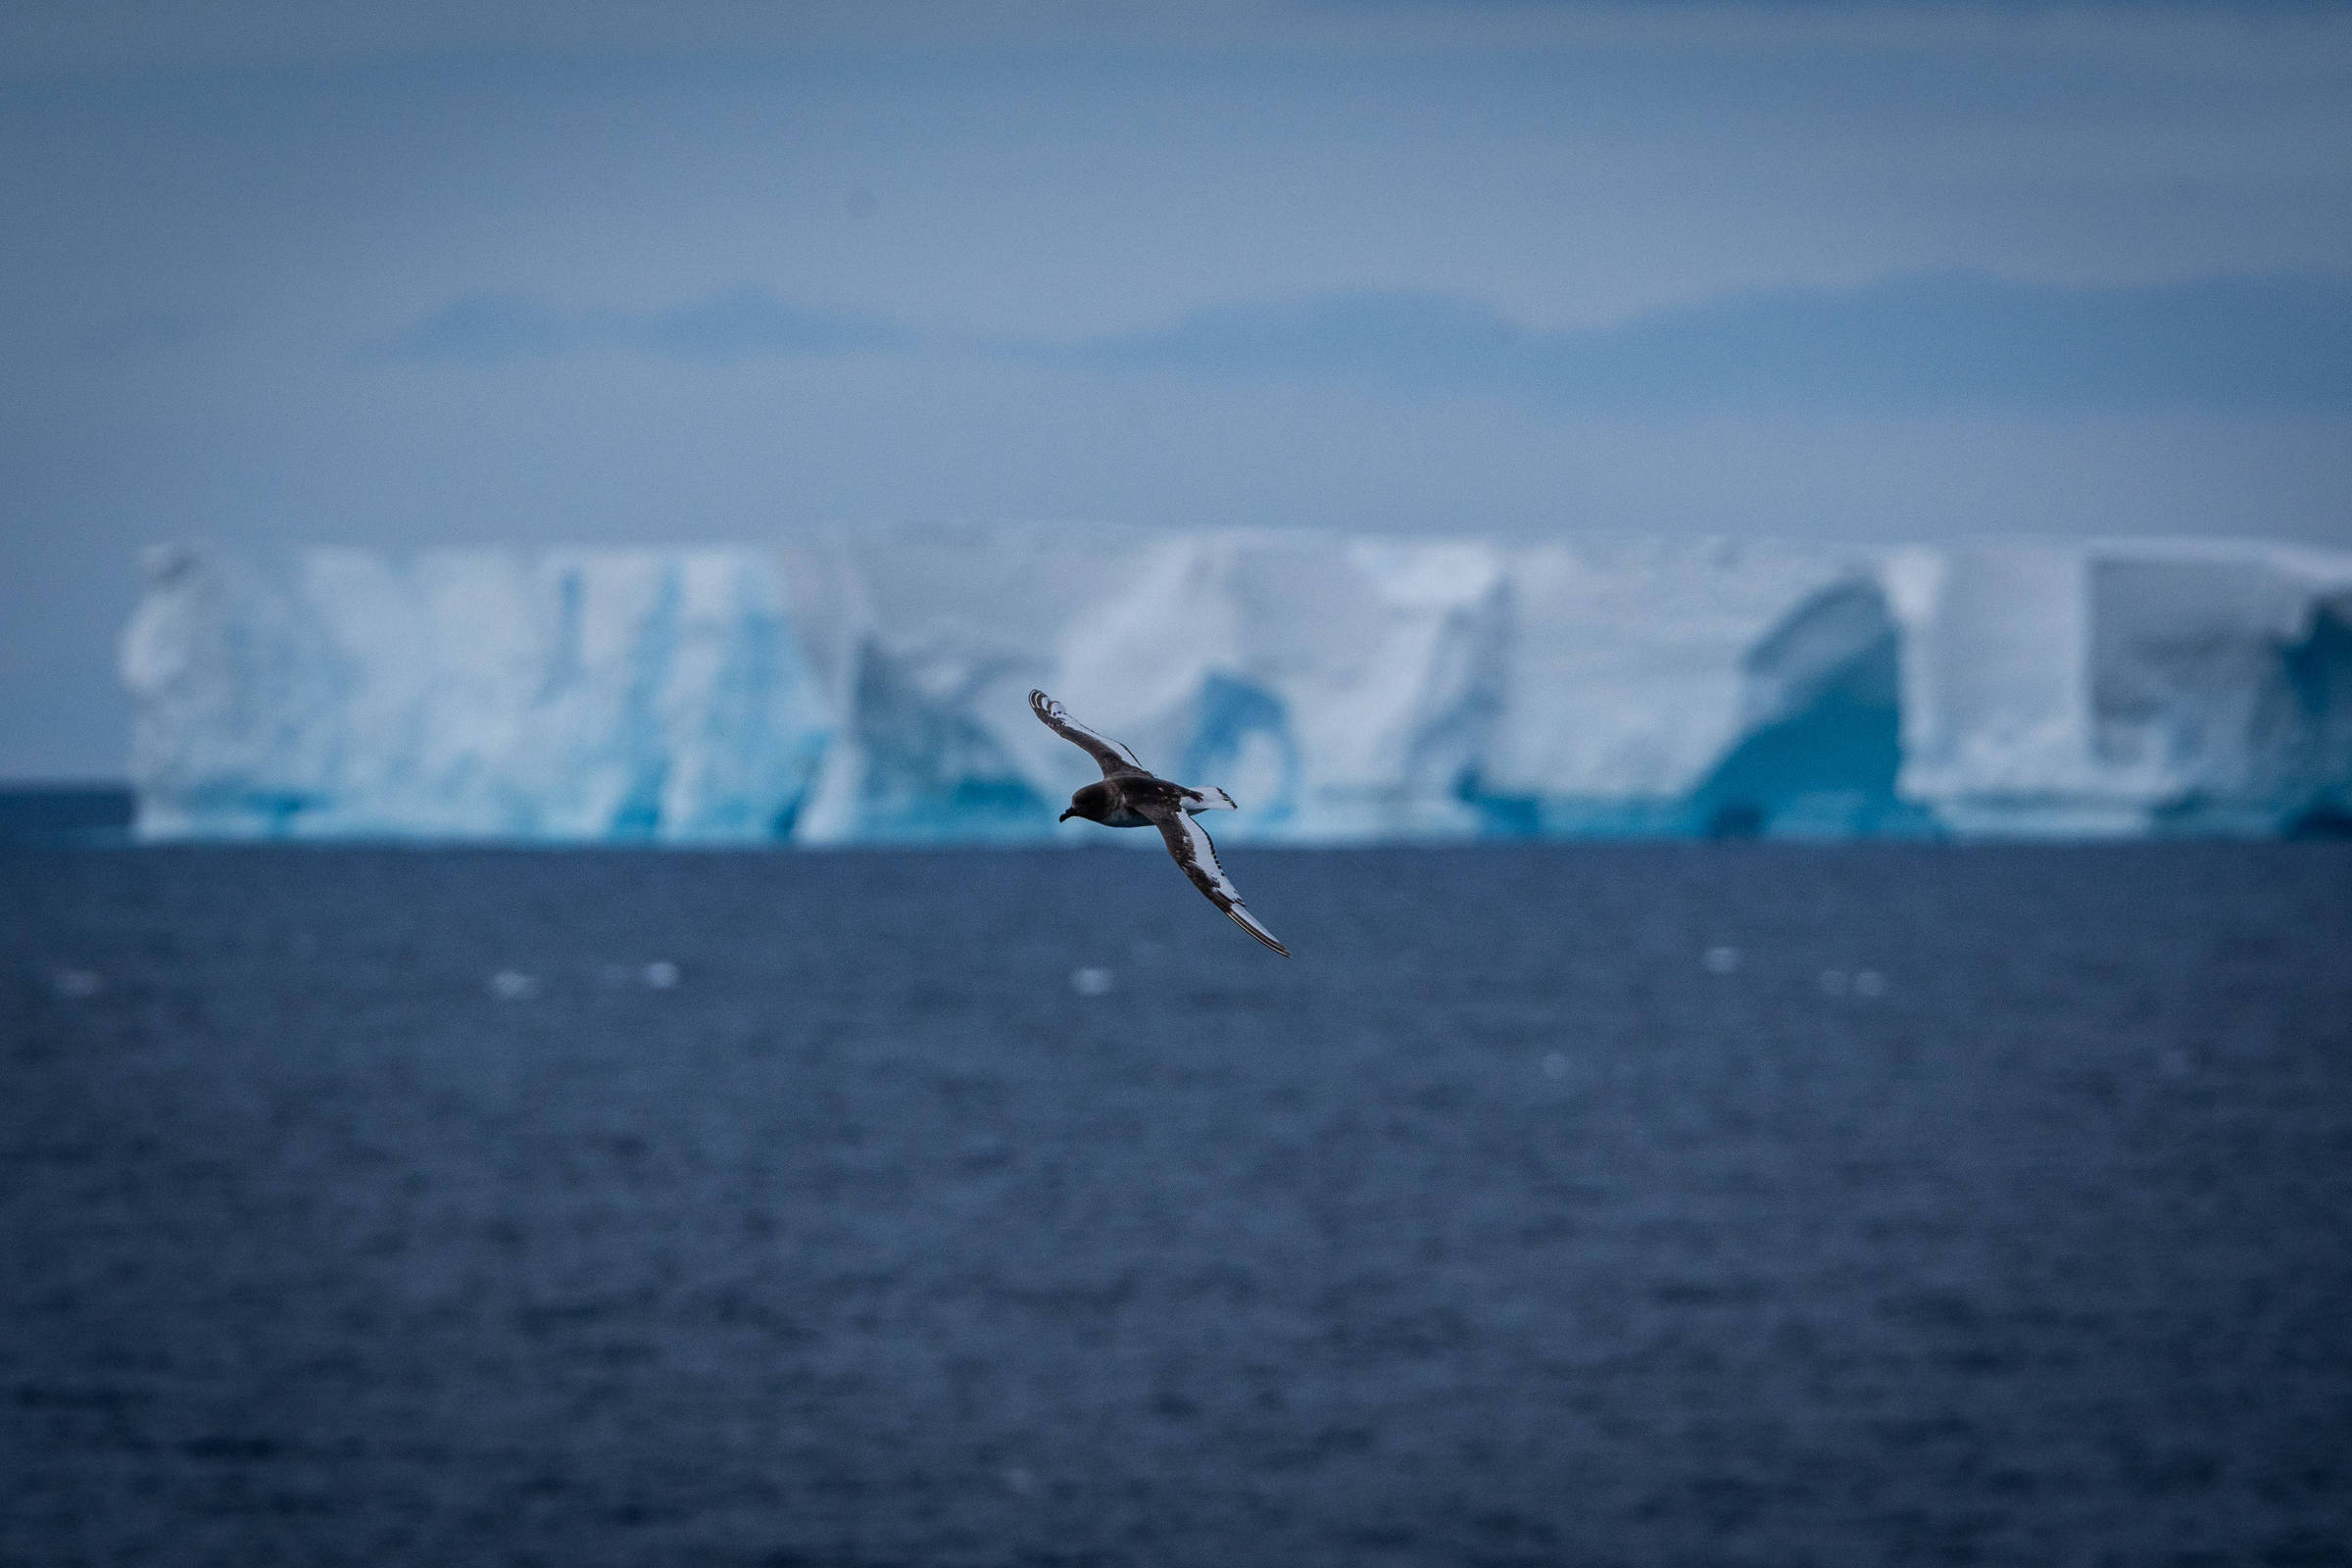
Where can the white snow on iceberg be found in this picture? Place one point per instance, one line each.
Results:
(857, 688)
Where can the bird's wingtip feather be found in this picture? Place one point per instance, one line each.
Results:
(1255, 929)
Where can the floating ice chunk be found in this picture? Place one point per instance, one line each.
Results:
(660, 975)
(1556, 1064)
(1723, 958)
(513, 985)
(77, 985)
(1090, 982)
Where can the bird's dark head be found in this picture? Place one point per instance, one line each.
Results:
(1094, 803)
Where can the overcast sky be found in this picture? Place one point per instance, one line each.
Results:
(435, 273)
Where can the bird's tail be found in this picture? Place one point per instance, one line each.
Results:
(1211, 798)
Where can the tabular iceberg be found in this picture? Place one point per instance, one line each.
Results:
(848, 688)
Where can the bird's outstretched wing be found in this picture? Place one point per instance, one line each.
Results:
(1110, 754)
(1189, 842)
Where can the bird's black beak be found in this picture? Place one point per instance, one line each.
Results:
(1066, 815)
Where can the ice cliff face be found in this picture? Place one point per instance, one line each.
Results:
(855, 689)
(562, 694)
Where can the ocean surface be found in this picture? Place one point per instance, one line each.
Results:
(1675, 1203)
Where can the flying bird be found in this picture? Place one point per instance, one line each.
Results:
(1130, 796)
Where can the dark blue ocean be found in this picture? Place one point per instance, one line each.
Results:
(1691, 1204)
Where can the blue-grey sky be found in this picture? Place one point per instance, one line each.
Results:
(280, 272)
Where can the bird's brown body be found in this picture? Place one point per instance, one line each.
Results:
(1129, 799)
